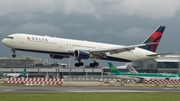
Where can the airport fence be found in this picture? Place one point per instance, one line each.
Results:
(162, 81)
(35, 81)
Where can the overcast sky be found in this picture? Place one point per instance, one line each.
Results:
(126, 22)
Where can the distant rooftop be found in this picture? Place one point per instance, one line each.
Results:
(20, 57)
(172, 56)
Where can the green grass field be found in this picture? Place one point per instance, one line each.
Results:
(171, 96)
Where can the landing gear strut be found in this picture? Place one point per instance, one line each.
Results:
(13, 51)
(94, 64)
(79, 63)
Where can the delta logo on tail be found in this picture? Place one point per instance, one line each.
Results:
(154, 37)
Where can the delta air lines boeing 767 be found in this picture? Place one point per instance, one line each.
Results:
(59, 48)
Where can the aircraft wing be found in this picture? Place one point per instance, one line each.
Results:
(101, 52)
(117, 50)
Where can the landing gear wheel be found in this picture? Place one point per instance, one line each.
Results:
(14, 55)
(79, 63)
(76, 64)
(94, 64)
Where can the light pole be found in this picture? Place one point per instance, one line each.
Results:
(69, 62)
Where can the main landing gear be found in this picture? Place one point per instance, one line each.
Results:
(79, 63)
(94, 64)
(13, 51)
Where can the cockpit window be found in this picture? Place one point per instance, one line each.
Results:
(9, 37)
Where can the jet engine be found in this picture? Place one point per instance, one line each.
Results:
(81, 54)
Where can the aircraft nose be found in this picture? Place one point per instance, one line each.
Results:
(6, 42)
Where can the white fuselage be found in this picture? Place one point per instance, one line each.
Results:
(13, 74)
(53, 45)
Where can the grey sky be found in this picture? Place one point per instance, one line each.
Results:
(124, 22)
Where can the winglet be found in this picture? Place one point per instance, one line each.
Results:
(154, 37)
(113, 69)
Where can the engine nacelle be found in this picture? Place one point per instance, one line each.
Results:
(81, 54)
(53, 56)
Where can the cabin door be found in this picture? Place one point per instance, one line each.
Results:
(61, 44)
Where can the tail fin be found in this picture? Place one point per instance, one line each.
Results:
(23, 74)
(155, 37)
(131, 69)
(113, 69)
(1, 73)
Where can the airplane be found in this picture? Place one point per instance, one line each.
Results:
(133, 70)
(146, 76)
(59, 48)
(22, 74)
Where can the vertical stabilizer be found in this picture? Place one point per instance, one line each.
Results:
(155, 37)
(131, 69)
(113, 69)
(23, 74)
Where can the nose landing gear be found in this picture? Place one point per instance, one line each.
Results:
(13, 51)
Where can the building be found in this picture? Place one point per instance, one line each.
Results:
(37, 67)
(164, 64)
(21, 62)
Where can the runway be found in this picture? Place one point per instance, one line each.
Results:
(57, 89)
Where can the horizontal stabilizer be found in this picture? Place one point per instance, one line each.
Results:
(166, 53)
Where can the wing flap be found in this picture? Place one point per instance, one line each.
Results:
(101, 52)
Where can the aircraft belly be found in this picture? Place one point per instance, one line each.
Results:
(125, 56)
